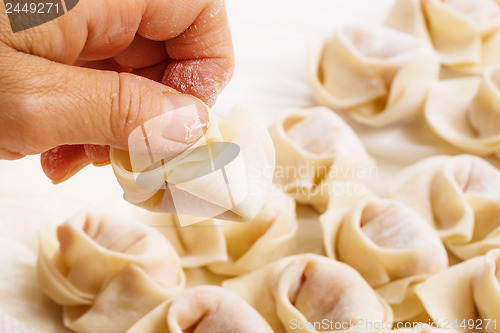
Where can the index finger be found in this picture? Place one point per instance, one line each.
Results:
(196, 31)
(201, 58)
(198, 44)
(203, 55)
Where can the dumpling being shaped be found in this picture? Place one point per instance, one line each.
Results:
(193, 184)
(464, 33)
(467, 293)
(203, 309)
(389, 244)
(106, 272)
(305, 289)
(459, 196)
(465, 112)
(314, 149)
(379, 75)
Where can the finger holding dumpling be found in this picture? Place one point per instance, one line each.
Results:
(106, 272)
(215, 178)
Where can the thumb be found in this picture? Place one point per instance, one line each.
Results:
(51, 104)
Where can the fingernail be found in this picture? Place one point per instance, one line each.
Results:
(186, 117)
(184, 120)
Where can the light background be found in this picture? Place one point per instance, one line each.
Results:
(270, 39)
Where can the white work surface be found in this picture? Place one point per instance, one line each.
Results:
(270, 43)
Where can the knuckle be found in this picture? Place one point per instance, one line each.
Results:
(132, 104)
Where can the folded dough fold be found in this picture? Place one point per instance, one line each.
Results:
(268, 237)
(459, 196)
(379, 75)
(230, 248)
(313, 294)
(203, 309)
(107, 273)
(465, 34)
(388, 243)
(465, 113)
(206, 181)
(467, 294)
(314, 149)
(196, 244)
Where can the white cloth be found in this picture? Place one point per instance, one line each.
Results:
(12, 325)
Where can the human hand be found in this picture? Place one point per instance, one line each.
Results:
(83, 82)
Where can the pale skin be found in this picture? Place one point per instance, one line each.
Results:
(74, 86)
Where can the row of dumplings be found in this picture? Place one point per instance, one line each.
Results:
(458, 197)
(388, 259)
(436, 213)
(388, 74)
(115, 276)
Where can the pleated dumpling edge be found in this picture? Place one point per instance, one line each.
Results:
(107, 273)
(206, 309)
(379, 76)
(465, 34)
(388, 243)
(464, 112)
(313, 293)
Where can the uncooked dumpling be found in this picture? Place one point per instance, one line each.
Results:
(107, 273)
(391, 246)
(196, 244)
(231, 248)
(269, 236)
(314, 149)
(459, 197)
(465, 112)
(220, 176)
(384, 240)
(467, 294)
(484, 113)
(379, 75)
(203, 309)
(306, 291)
(464, 33)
